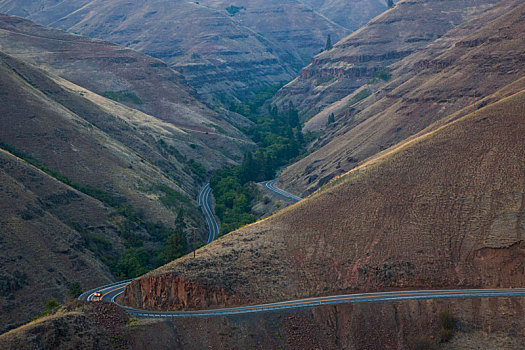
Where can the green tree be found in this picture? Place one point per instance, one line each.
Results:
(175, 247)
(180, 225)
(75, 289)
(328, 45)
(331, 119)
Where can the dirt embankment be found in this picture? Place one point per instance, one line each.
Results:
(486, 323)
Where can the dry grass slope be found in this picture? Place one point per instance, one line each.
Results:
(446, 210)
(456, 74)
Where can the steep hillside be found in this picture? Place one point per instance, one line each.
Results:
(89, 189)
(136, 80)
(351, 14)
(456, 74)
(444, 210)
(355, 60)
(42, 252)
(222, 49)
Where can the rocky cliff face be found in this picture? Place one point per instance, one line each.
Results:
(223, 50)
(355, 60)
(175, 293)
(443, 210)
(460, 70)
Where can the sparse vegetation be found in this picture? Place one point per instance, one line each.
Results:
(328, 45)
(171, 198)
(123, 96)
(75, 289)
(233, 10)
(384, 75)
(331, 119)
(52, 305)
(448, 323)
(361, 95)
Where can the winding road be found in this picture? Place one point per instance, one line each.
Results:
(205, 204)
(270, 185)
(111, 291)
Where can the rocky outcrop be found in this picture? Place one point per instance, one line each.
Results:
(171, 292)
(480, 323)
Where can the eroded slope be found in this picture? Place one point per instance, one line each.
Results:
(456, 74)
(225, 50)
(355, 60)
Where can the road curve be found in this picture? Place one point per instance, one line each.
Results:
(205, 204)
(204, 200)
(110, 292)
(270, 185)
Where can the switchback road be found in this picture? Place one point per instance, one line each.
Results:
(270, 185)
(110, 292)
(205, 204)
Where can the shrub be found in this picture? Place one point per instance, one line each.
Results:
(75, 289)
(446, 335)
(446, 320)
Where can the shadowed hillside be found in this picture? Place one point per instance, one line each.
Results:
(90, 189)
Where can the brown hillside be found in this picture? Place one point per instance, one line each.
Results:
(220, 53)
(41, 250)
(107, 181)
(446, 210)
(223, 48)
(136, 80)
(456, 74)
(406, 28)
(77, 325)
(482, 323)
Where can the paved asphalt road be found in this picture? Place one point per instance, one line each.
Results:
(205, 204)
(110, 292)
(271, 186)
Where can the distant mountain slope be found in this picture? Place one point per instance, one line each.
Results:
(356, 59)
(445, 210)
(136, 80)
(463, 68)
(223, 49)
(351, 14)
